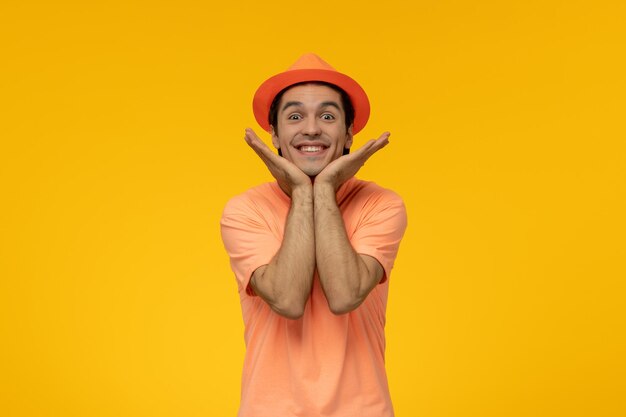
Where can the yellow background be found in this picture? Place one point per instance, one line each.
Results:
(121, 127)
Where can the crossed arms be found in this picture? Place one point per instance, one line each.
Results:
(315, 236)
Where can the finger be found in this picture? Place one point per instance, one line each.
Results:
(372, 146)
(263, 148)
(259, 148)
(369, 148)
(258, 145)
(383, 139)
(384, 135)
(274, 162)
(376, 144)
(381, 142)
(252, 139)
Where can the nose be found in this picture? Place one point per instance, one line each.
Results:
(312, 127)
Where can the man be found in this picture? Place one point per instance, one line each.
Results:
(312, 253)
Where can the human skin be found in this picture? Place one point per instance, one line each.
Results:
(312, 136)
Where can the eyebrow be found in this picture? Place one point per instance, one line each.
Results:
(299, 103)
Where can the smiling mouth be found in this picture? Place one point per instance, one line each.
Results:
(311, 148)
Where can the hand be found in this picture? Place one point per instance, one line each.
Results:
(287, 174)
(346, 166)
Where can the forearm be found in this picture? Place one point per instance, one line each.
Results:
(340, 268)
(285, 283)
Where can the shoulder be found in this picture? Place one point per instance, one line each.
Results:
(368, 193)
(256, 199)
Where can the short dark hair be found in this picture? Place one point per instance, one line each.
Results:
(348, 108)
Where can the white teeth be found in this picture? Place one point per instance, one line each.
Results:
(310, 148)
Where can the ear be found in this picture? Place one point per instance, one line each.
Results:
(274, 137)
(349, 138)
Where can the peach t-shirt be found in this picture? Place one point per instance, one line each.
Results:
(321, 364)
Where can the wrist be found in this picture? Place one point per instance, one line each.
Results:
(323, 188)
(302, 192)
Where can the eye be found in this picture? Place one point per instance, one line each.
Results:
(328, 116)
(294, 116)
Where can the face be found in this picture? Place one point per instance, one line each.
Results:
(311, 129)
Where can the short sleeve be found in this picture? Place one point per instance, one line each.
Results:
(248, 240)
(380, 230)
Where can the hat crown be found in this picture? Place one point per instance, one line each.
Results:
(310, 61)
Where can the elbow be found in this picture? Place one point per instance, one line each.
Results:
(344, 306)
(292, 311)
(291, 314)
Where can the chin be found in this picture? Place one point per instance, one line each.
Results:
(312, 173)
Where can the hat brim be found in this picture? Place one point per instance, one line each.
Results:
(266, 93)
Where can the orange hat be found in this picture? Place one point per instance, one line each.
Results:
(310, 67)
